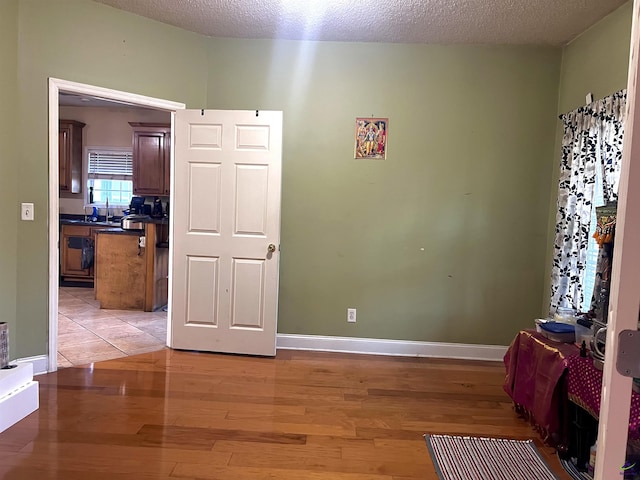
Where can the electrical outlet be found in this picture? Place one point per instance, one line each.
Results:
(142, 242)
(27, 211)
(351, 315)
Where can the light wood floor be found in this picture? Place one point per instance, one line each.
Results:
(87, 333)
(303, 415)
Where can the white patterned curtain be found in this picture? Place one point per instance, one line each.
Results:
(591, 149)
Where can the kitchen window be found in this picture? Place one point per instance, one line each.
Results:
(110, 173)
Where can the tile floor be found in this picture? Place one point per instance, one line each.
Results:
(88, 334)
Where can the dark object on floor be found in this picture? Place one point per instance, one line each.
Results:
(86, 259)
(583, 430)
(572, 470)
(86, 246)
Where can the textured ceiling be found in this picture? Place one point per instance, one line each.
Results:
(539, 22)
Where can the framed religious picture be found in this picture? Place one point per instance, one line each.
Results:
(371, 137)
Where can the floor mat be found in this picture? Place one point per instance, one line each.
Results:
(474, 458)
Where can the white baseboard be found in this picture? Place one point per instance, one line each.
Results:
(374, 346)
(40, 363)
(368, 346)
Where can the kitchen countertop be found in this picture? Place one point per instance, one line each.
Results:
(157, 221)
(84, 223)
(82, 220)
(70, 219)
(119, 231)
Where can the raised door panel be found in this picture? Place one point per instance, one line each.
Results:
(247, 293)
(251, 200)
(202, 287)
(204, 215)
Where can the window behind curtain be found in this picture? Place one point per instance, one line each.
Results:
(592, 249)
(110, 173)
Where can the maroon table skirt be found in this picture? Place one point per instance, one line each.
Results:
(542, 376)
(536, 382)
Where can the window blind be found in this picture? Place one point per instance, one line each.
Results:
(110, 164)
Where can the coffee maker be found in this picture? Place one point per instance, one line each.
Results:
(137, 206)
(157, 208)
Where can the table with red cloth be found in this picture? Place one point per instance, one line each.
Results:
(536, 382)
(543, 375)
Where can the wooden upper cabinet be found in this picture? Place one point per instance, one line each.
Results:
(151, 158)
(70, 156)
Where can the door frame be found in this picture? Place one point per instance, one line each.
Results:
(625, 280)
(56, 86)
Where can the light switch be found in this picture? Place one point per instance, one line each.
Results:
(27, 211)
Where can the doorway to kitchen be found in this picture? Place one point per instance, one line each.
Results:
(74, 310)
(88, 333)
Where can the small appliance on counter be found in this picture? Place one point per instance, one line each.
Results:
(134, 222)
(157, 208)
(137, 207)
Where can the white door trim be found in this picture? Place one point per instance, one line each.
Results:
(57, 85)
(625, 280)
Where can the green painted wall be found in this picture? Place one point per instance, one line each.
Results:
(446, 239)
(9, 166)
(91, 43)
(597, 62)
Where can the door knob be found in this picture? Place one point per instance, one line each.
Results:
(271, 248)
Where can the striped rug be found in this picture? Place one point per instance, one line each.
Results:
(472, 458)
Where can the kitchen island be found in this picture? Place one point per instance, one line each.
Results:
(131, 267)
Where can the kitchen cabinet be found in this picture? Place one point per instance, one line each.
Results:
(71, 239)
(70, 156)
(151, 158)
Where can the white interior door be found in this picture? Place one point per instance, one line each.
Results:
(226, 220)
